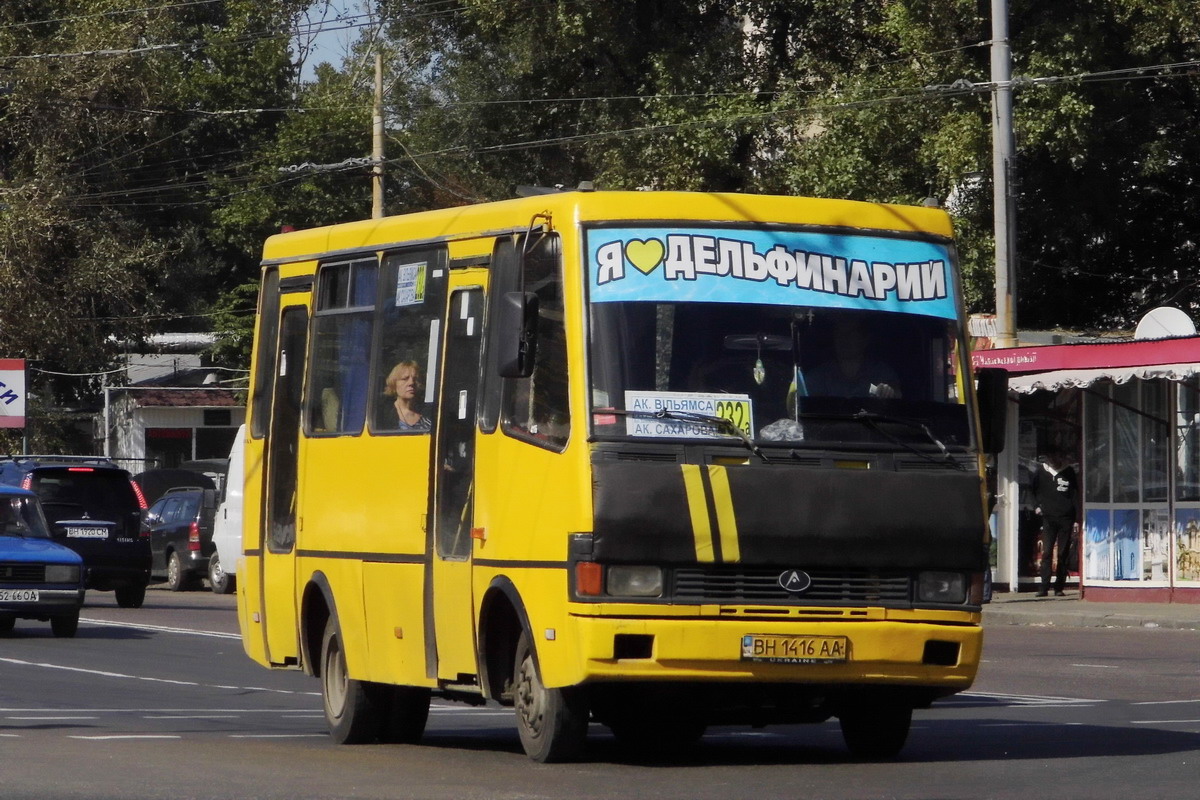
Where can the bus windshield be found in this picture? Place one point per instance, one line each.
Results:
(817, 347)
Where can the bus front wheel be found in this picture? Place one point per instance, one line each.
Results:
(353, 709)
(552, 723)
(875, 731)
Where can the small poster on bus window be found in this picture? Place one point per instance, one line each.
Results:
(686, 415)
(410, 284)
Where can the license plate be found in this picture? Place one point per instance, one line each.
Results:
(79, 532)
(18, 595)
(795, 649)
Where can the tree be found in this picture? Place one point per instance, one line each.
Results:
(116, 125)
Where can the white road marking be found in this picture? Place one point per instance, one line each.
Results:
(148, 679)
(1095, 666)
(1163, 702)
(279, 736)
(189, 716)
(1164, 721)
(46, 719)
(110, 736)
(159, 628)
(1030, 699)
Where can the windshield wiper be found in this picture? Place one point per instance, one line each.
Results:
(872, 419)
(691, 416)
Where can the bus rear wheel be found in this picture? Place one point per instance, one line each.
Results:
(875, 731)
(552, 723)
(354, 710)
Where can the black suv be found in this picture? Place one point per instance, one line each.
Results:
(180, 528)
(95, 509)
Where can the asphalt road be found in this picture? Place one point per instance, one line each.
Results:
(160, 702)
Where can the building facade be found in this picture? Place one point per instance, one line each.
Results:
(1127, 414)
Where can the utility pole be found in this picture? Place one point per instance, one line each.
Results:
(377, 142)
(1002, 162)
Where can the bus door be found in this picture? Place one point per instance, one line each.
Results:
(279, 495)
(453, 482)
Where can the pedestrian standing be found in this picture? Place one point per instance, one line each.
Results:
(1054, 491)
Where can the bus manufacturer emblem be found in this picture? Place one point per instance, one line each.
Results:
(795, 581)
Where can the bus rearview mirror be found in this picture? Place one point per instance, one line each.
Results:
(516, 334)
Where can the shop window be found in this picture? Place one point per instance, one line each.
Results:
(1097, 462)
(1156, 442)
(1126, 452)
(1187, 433)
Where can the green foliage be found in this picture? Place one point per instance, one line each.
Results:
(147, 148)
(125, 125)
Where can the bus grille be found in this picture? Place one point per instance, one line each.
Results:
(17, 572)
(762, 586)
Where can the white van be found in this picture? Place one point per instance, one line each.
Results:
(227, 528)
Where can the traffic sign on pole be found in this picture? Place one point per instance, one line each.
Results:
(12, 393)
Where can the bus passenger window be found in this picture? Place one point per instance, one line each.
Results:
(412, 301)
(338, 366)
(538, 406)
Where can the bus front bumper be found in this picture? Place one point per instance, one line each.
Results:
(941, 655)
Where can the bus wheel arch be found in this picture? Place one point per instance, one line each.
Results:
(502, 619)
(316, 609)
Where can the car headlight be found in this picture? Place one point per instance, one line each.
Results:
(942, 587)
(62, 573)
(626, 581)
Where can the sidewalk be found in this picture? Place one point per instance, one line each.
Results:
(1024, 608)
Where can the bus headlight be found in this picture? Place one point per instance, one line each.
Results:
(942, 587)
(62, 573)
(625, 581)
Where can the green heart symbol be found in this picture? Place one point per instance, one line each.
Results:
(645, 255)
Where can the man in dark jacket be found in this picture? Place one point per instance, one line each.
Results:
(1054, 490)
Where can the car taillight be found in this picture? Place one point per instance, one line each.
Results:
(27, 481)
(194, 536)
(141, 498)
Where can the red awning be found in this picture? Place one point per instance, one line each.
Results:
(1059, 366)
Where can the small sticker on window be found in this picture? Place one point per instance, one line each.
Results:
(410, 284)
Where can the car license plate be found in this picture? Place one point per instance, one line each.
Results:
(80, 532)
(18, 595)
(795, 649)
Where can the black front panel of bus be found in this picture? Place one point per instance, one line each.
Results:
(790, 517)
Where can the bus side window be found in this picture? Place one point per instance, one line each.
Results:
(537, 406)
(267, 346)
(412, 299)
(342, 328)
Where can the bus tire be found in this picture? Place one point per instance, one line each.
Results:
(552, 723)
(354, 710)
(407, 713)
(875, 731)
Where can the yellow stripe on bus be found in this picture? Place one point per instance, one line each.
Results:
(726, 519)
(693, 482)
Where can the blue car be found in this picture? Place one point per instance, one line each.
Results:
(39, 578)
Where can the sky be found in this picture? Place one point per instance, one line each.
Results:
(334, 39)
